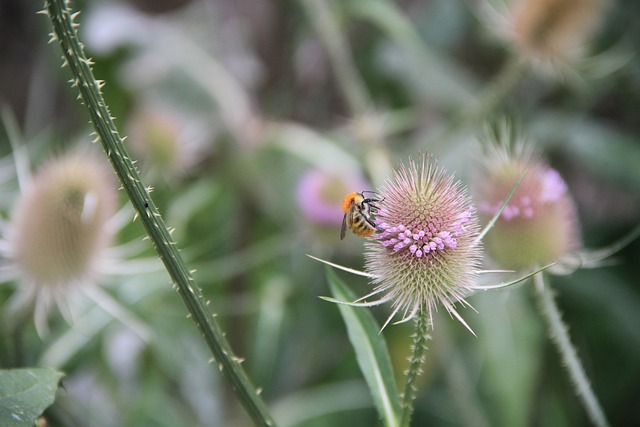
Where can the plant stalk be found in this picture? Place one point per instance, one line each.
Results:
(64, 32)
(560, 336)
(419, 349)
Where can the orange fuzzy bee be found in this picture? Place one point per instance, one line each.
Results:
(357, 215)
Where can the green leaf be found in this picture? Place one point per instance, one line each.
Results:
(25, 394)
(371, 352)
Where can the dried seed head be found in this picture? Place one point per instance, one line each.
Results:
(58, 229)
(554, 30)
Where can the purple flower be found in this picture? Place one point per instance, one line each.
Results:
(539, 224)
(320, 195)
(426, 252)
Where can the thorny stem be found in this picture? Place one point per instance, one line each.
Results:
(65, 33)
(419, 349)
(560, 336)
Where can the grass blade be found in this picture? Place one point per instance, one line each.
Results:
(371, 352)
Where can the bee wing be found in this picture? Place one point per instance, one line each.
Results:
(343, 230)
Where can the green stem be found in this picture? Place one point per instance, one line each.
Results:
(347, 77)
(65, 33)
(560, 336)
(420, 339)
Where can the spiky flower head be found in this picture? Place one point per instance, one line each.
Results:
(153, 136)
(59, 229)
(167, 141)
(539, 224)
(426, 252)
(554, 31)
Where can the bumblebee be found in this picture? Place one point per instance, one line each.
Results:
(357, 215)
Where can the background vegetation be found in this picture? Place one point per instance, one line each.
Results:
(261, 93)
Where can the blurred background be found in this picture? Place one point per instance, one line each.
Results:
(252, 120)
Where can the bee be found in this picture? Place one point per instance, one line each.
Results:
(357, 215)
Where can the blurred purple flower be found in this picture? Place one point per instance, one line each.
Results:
(539, 224)
(320, 195)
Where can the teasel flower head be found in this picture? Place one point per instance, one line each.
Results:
(539, 224)
(553, 35)
(59, 231)
(167, 142)
(426, 252)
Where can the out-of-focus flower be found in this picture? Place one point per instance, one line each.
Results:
(7, 173)
(555, 29)
(551, 33)
(427, 252)
(167, 143)
(320, 195)
(539, 224)
(221, 63)
(59, 231)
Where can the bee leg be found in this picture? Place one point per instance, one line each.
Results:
(371, 200)
(373, 224)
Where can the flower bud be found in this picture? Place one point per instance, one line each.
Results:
(539, 224)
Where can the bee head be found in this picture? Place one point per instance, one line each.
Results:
(351, 199)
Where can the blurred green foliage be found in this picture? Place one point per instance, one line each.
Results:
(254, 88)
